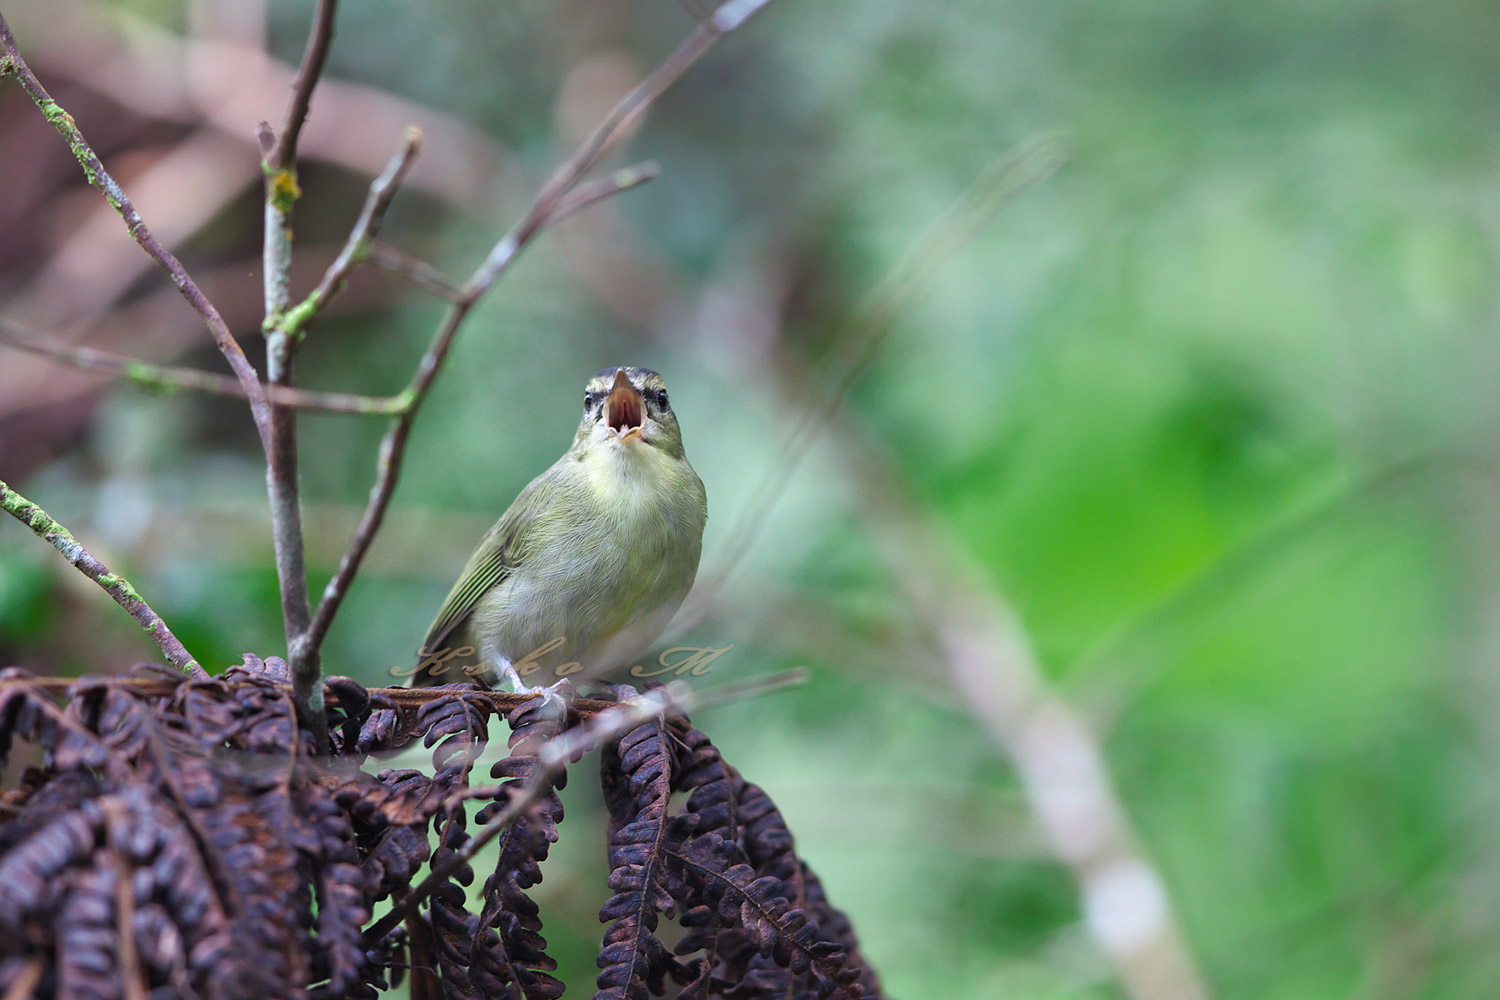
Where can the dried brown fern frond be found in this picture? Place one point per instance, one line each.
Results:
(181, 838)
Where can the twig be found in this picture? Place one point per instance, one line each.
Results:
(169, 378)
(284, 153)
(115, 585)
(357, 246)
(280, 166)
(11, 64)
(555, 755)
(586, 194)
(620, 118)
(419, 272)
(564, 180)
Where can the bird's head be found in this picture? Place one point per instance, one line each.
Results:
(628, 408)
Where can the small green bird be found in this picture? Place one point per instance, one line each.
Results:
(591, 561)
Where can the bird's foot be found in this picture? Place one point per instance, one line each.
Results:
(555, 693)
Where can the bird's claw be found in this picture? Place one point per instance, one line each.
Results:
(549, 693)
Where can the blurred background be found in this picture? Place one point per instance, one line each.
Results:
(1143, 573)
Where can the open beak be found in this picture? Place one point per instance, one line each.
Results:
(624, 410)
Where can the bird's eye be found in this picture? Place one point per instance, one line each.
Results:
(661, 399)
(588, 401)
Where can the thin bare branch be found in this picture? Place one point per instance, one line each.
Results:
(170, 378)
(282, 487)
(284, 152)
(282, 192)
(382, 189)
(415, 270)
(12, 64)
(587, 193)
(45, 528)
(563, 181)
(605, 135)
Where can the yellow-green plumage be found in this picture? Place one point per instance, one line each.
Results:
(599, 550)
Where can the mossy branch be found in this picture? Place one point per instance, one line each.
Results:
(49, 530)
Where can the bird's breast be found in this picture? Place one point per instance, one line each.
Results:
(627, 529)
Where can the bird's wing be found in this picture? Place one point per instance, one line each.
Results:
(498, 553)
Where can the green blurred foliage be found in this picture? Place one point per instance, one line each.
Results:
(1212, 407)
